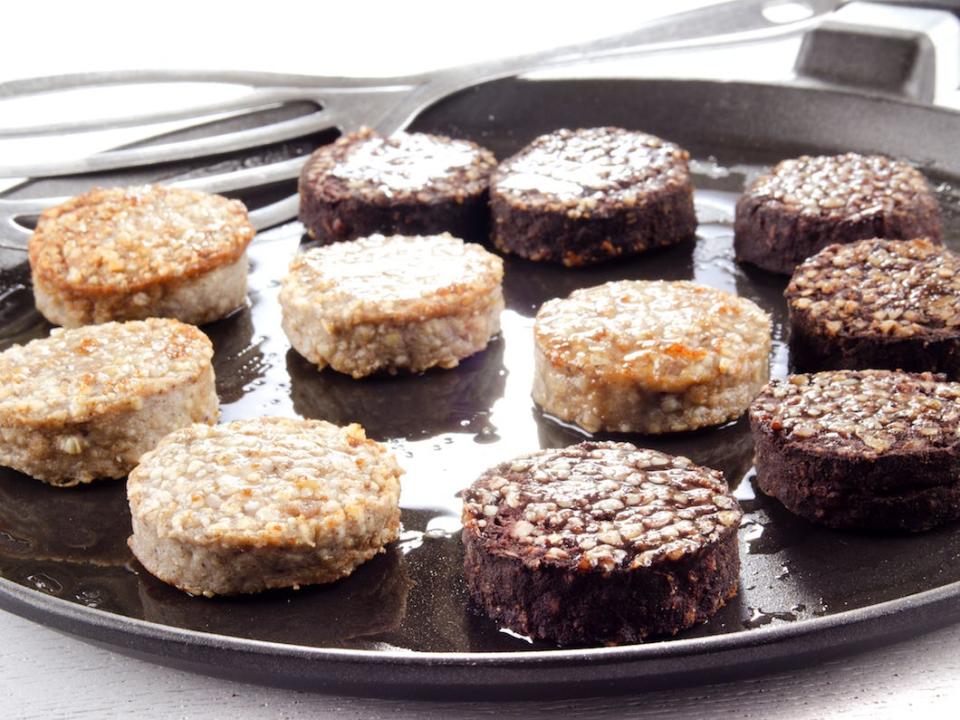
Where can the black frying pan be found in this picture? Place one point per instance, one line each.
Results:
(807, 593)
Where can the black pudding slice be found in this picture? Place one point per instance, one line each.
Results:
(886, 304)
(867, 449)
(600, 543)
(407, 184)
(807, 203)
(580, 197)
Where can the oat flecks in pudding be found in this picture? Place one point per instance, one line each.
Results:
(262, 503)
(409, 162)
(881, 288)
(585, 196)
(638, 356)
(861, 413)
(861, 449)
(600, 542)
(666, 335)
(76, 375)
(807, 203)
(847, 186)
(573, 170)
(129, 238)
(376, 278)
(86, 403)
(409, 184)
(618, 507)
(390, 303)
(403, 167)
(267, 481)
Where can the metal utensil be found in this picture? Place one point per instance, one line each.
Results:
(387, 105)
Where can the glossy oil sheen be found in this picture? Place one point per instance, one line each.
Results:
(446, 426)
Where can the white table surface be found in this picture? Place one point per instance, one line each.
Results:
(44, 674)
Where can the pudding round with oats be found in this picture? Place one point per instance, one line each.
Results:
(864, 449)
(600, 542)
(580, 197)
(883, 304)
(807, 203)
(383, 304)
(262, 503)
(86, 403)
(407, 184)
(139, 252)
(649, 357)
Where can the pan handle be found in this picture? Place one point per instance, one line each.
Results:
(948, 5)
(906, 50)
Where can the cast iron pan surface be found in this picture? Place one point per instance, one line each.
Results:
(402, 623)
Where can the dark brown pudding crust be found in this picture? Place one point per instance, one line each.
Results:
(584, 196)
(407, 184)
(807, 203)
(600, 542)
(891, 304)
(871, 449)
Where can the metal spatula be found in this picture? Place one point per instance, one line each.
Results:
(387, 105)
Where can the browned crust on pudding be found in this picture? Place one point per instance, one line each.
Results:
(888, 304)
(807, 203)
(407, 184)
(120, 253)
(870, 449)
(87, 403)
(651, 357)
(584, 196)
(121, 240)
(600, 543)
(262, 503)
